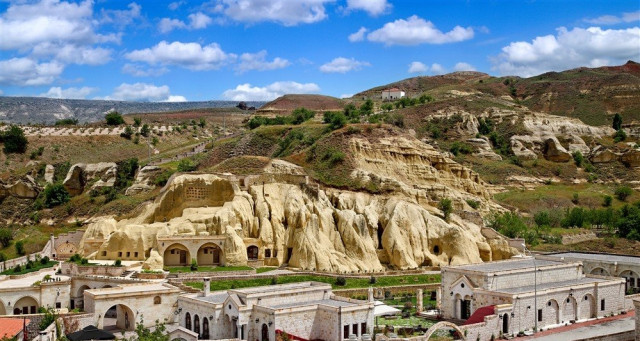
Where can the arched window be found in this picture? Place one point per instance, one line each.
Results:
(252, 252)
(205, 328)
(157, 300)
(196, 324)
(187, 321)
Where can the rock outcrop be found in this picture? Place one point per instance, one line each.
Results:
(631, 158)
(482, 148)
(601, 154)
(144, 180)
(103, 173)
(522, 152)
(23, 188)
(554, 151)
(49, 172)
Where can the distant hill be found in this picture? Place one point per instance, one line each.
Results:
(38, 110)
(287, 103)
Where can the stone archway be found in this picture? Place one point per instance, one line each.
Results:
(457, 303)
(554, 308)
(26, 305)
(177, 255)
(569, 307)
(587, 307)
(443, 325)
(632, 279)
(600, 272)
(118, 317)
(209, 254)
(252, 252)
(3, 310)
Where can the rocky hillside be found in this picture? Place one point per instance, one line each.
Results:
(286, 104)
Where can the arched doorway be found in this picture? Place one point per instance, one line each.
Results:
(187, 321)
(631, 284)
(569, 309)
(205, 328)
(599, 272)
(457, 299)
(252, 252)
(265, 333)
(196, 324)
(3, 311)
(505, 323)
(176, 255)
(587, 307)
(553, 311)
(26, 305)
(119, 317)
(465, 308)
(209, 254)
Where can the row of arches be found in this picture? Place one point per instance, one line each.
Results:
(632, 279)
(24, 305)
(208, 254)
(202, 333)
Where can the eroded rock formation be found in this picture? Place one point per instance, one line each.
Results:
(103, 173)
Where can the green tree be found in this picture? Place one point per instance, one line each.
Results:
(145, 130)
(617, 121)
(14, 140)
(623, 192)
(6, 236)
(446, 206)
(367, 107)
(607, 200)
(159, 332)
(485, 126)
(619, 136)
(55, 195)
(338, 120)
(186, 165)
(127, 133)
(202, 122)
(542, 218)
(20, 247)
(194, 264)
(396, 119)
(137, 121)
(578, 159)
(114, 118)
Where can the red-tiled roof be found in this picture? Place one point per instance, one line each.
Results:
(479, 314)
(10, 327)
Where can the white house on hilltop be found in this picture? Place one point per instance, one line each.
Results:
(393, 93)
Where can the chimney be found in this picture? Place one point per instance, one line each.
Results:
(207, 286)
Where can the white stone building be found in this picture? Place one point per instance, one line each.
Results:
(26, 293)
(391, 94)
(516, 294)
(306, 310)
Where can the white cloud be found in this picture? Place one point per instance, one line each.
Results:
(346, 95)
(415, 31)
(612, 19)
(417, 67)
(569, 49)
(1, 92)
(358, 36)
(167, 25)
(285, 12)
(121, 17)
(72, 54)
(28, 72)
(175, 5)
(172, 99)
(72, 93)
(246, 92)
(192, 56)
(437, 69)
(196, 21)
(256, 61)
(144, 92)
(462, 66)
(373, 7)
(343, 65)
(139, 71)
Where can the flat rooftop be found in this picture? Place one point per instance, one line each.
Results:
(328, 302)
(601, 257)
(508, 265)
(131, 288)
(552, 285)
(28, 281)
(215, 298)
(280, 287)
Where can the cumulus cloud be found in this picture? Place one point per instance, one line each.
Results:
(246, 92)
(121, 17)
(196, 21)
(144, 92)
(415, 30)
(613, 19)
(192, 56)
(139, 71)
(72, 54)
(28, 72)
(343, 65)
(72, 93)
(437, 69)
(568, 49)
(417, 67)
(167, 25)
(257, 61)
(373, 7)
(462, 66)
(358, 36)
(285, 12)
(175, 5)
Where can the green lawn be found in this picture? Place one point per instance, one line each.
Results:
(180, 269)
(265, 269)
(35, 267)
(352, 283)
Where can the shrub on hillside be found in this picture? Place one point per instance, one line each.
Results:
(186, 165)
(55, 195)
(619, 136)
(14, 140)
(341, 281)
(607, 200)
(458, 148)
(20, 247)
(446, 206)
(623, 192)
(6, 236)
(577, 158)
(114, 118)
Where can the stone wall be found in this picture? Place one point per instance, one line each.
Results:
(378, 292)
(66, 244)
(578, 238)
(11, 263)
(69, 268)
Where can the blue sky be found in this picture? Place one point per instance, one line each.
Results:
(261, 49)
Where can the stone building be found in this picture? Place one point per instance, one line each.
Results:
(25, 294)
(518, 294)
(307, 310)
(391, 94)
(607, 264)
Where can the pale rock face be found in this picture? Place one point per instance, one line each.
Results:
(554, 151)
(332, 230)
(631, 158)
(80, 174)
(24, 189)
(49, 172)
(277, 166)
(483, 149)
(143, 181)
(577, 144)
(154, 262)
(521, 151)
(601, 154)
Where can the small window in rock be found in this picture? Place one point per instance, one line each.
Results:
(128, 254)
(104, 253)
(602, 304)
(135, 254)
(58, 305)
(157, 300)
(549, 304)
(586, 298)
(120, 254)
(568, 300)
(173, 251)
(267, 253)
(462, 285)
(436, 250)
